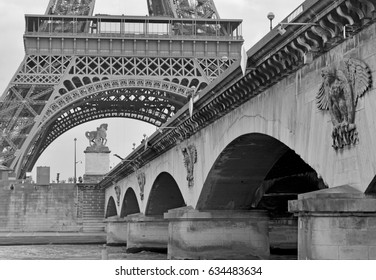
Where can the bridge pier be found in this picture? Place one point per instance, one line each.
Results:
(217, 234)
(146, 233)
(117, 229)
(336, 223)
(283, 234)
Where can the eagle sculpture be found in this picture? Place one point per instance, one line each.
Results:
(339, 93)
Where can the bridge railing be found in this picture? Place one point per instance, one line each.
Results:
(132, 26)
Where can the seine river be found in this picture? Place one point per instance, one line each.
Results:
(85, 252)
(72, 252)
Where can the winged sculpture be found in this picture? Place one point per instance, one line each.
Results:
(339, 93)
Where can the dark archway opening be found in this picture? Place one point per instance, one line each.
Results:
(164, 195)
(234, 180)
(256, 171)
(130, 204)
(111, 208)
(289, 177)
(372, 187)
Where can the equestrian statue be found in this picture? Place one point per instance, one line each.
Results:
(97, 138)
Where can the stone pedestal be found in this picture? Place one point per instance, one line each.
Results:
(97, 163)
(337, 223)
(117, 229)
(217, 234)
(146, 233)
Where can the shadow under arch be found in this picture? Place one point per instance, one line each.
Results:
(252, 167)
(371, 189)
(257, 171)
(164, 195)
(111, 208)
(130, 204)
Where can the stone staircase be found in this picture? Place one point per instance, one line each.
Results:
(93, 225)
(91, 200)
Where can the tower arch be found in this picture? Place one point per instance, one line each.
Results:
(148, 100)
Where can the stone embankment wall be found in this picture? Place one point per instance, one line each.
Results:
(26, 207)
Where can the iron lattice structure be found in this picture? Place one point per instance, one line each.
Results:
(79, 67)
(183, 8)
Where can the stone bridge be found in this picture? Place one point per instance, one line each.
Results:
(280, 157)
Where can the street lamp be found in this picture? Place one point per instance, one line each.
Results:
(271, 16)
(75, 162)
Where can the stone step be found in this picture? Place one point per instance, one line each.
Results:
(94, 229)
(94, 225)
(92, 222)
(92, 217)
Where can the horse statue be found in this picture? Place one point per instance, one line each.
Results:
(97, 138)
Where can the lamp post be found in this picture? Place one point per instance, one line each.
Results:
(75, 162)
(271, 16)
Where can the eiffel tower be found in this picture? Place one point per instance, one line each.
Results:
(80, 67)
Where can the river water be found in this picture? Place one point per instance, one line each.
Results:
(73, 252)
(85, 252)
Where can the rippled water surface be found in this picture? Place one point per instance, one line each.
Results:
(86, 252)
(73, 252)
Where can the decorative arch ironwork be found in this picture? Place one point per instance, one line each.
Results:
(151, 101)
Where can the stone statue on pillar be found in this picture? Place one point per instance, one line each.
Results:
(97, 154)
(97, 139)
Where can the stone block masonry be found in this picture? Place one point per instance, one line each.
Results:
(217, 234)
(337, 223)
(91, 201)
(26, 207)
(29, 207)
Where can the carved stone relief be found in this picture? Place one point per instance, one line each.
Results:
(141, 179)
(190, 158)
(118, 194)
(339, 93)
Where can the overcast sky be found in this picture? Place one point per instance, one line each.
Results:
(121, 132)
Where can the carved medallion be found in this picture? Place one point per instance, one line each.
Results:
(190, 158)
(141, 179)
(118, 194)
(339, 93)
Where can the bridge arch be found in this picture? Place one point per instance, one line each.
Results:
(111, 208)
(130, 204)
(150, 100)
(164, 195)
(256, 171)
